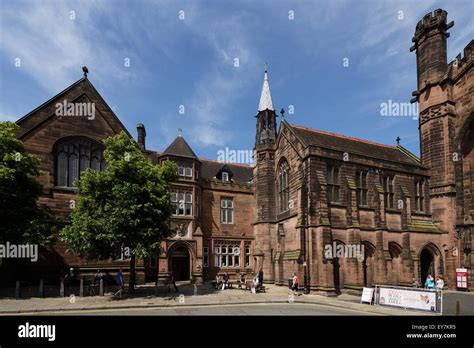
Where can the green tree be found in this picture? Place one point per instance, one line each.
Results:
(22, 220)
(127, 205)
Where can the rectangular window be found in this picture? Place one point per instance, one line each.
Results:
(227, 209)
(205, 251)
(185, 170)
(182, 201)
(361, 182)
(225, 176)
(333, 184)
(196, 212)
(387, 183)
(420, 195)
(227, 254)
(247, 255)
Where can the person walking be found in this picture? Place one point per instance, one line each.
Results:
(172, 281)
(119, 279)
(439, 283)
(294, 283)
(429, 283)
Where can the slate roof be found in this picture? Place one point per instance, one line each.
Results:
(240, 172)
(179, 147)
(312, 137)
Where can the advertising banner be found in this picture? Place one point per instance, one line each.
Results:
(408, 298)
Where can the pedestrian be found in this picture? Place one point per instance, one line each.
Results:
(172, 281)
(254, 285)
(439, 283)
(294, 283)
(225, 282)
(97, 277)
(260, 278)
(119, 279)
(218, 281)
(429, 283)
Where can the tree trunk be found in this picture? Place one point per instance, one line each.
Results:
(131, 283)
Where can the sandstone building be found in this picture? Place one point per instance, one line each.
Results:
(308, 189)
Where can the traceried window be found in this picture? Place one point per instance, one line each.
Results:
(72, 156)
(387, 183)
(227, 210)
(182, 201)
(419, 195)
(227, 254)
(284, 186)
(333, 183)
(361, 183)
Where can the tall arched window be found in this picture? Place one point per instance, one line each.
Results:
(74, 155)
(284, 185)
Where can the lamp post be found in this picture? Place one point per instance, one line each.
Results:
(303, 229)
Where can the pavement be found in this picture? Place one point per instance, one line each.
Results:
(204, 295)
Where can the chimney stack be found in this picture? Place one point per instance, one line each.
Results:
(141, 136)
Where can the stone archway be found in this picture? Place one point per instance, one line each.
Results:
(431, 262)
(426, 265)
(180, 262)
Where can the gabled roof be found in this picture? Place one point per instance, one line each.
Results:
(179, 147)
(265, 97)
(27, 124)
(312, 137)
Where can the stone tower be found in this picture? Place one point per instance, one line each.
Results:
(445, 98)
(264, 178)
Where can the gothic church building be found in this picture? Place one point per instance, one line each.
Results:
(308, 189)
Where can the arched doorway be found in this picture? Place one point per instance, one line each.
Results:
(179, 263)
(427, 265)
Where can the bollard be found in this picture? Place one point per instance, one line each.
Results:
(458, 308)
(61, 288)
(17, 289)
(81, 287)
(41, 288)
(101, 287)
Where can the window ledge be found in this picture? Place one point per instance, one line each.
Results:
(337, 205)
(365, 207)
(393, 210)
(64, 188)
(422, 213)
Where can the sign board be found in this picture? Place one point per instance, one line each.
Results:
(367, 295)
(461, 278)
(424, 300)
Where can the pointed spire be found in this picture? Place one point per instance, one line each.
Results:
(266, 97)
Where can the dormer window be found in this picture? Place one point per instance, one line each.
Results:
(225, 176)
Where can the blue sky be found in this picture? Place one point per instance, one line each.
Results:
(190, 62)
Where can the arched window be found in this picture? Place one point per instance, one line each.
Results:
(74, 155)
(284, 186)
